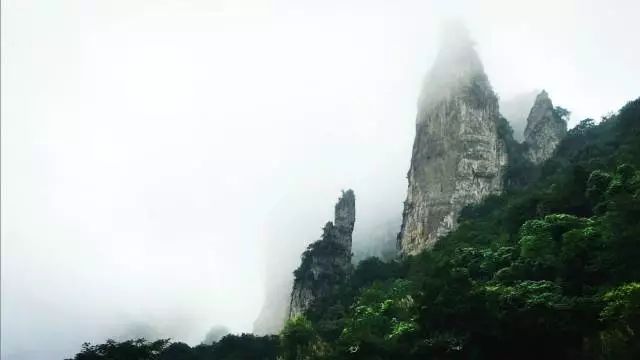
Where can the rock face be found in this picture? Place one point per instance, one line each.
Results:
(458, 155)
(326, 262)
(344, 220)
(545, 128)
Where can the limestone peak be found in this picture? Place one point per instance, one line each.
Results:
(327, 261)
(458, 155)
(545, 128)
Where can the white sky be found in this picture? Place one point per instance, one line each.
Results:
(155, 153)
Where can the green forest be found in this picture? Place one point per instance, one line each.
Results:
(548, 269)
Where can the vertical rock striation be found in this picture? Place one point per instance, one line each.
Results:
(458, 156)
(344, 220)
(326, 262)
(545, 128)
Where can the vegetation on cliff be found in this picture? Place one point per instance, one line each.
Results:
(326, 263)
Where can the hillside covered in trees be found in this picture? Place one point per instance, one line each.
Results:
(548, 269)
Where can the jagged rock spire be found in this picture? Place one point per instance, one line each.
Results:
(326, 262)
(345, 218)
(545, 128)
(458, 156)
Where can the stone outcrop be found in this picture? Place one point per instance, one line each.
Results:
(344, 220)
(458, 155)
(327, 262)
(545, 128)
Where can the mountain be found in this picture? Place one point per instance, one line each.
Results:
(510, 250)
(326, 262)
(458, 154)
(546, 270)
(545, 128)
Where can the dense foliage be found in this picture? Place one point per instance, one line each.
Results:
(245, 346)
(549, 269)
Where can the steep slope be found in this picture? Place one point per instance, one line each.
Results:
(545, 128)
(326, 262)
(458, 156)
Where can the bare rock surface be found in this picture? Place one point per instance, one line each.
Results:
(545, 128)
(327, 262)
(458, 156)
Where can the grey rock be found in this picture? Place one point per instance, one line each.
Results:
(345, 219)
(545, 128)
(327, 262)
(458, 156)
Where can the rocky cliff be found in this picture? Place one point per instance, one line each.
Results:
(458, 155)
(545, 128)
(326, 262)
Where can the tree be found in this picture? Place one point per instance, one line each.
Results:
(382, 317)
(562, 113)
(139, 349)
(297, 338)
(621, 314)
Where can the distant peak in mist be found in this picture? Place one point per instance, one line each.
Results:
(454, 34)
(457, 67)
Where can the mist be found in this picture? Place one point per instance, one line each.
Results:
(165, 163)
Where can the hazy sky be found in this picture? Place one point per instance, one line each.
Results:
(156, 153)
